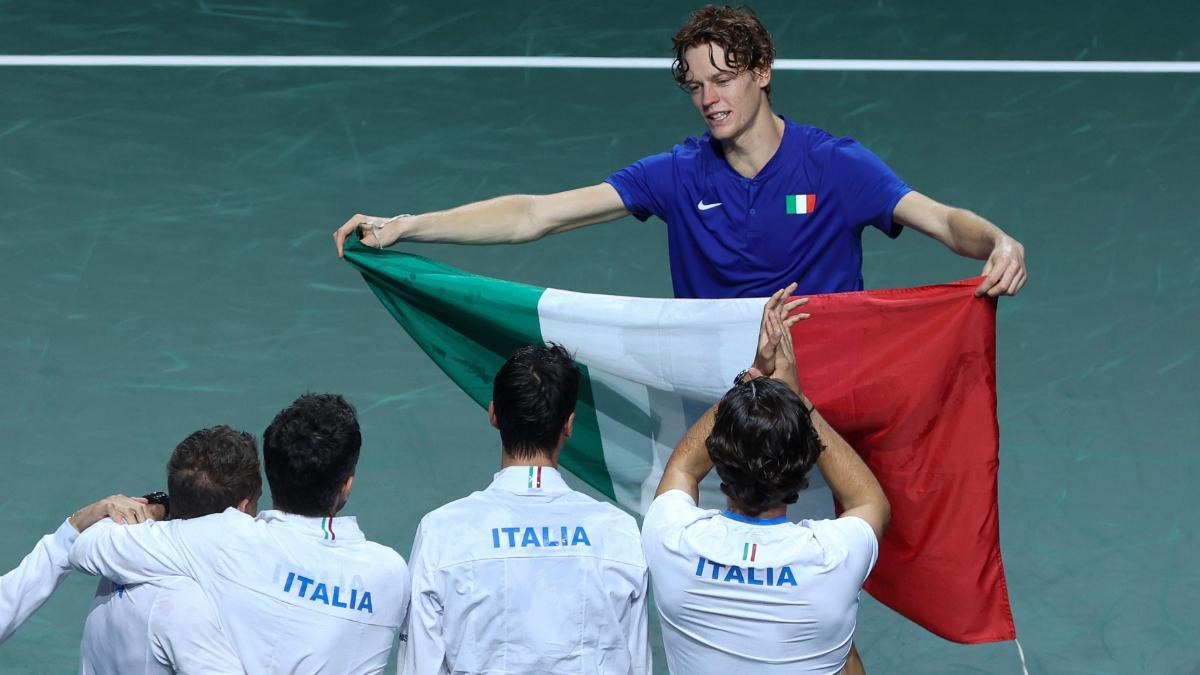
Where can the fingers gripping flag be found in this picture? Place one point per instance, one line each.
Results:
(906, 375)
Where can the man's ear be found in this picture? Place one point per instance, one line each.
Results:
(763, 77)
(569, 427)
(492, 415)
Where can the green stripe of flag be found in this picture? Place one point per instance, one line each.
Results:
(791, 204)
(469, 325)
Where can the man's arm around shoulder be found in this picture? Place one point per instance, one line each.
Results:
(130, 554)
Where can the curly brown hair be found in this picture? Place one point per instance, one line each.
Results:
(737, 30)
(762, 444)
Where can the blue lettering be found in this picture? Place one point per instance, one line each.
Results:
(700, 567)
(320, 594)
(786, 577)
(304, 583)
(716, 568)
(495, 538)
(530, 538)
(366, 603)
(511, 532)
(580, 537)
(770, 577)
(750, 578)
(563, 539)
(734, 572)
(546, 537)
(353, 595)
(335, 602)
(287, 587)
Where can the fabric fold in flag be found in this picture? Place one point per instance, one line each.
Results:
(906, 375)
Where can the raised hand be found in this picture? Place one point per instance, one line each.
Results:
(777, 309)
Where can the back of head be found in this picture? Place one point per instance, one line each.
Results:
(736, 30)
(533, 395)
(309, 450)
(212, 470)
(762, 444)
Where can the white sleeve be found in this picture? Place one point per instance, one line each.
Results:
(637, 630)
(668, 514)
(186, 634)
(134, 554)
(426, 651)
(862, 546)
(26, 588)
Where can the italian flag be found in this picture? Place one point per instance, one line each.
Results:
(906, 375)
(801, 204)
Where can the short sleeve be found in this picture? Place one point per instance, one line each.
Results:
(643, 185)
(862, 547)
(669, 512)
(868, 188)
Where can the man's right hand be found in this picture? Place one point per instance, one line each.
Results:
(374, 231)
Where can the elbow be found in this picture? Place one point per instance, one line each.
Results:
(885, 514)
(529, 225)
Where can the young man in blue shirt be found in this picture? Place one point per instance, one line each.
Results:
(756, 203)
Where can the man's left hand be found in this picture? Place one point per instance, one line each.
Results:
(1004, 269)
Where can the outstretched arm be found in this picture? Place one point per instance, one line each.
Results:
(504, 220)
(971, 235)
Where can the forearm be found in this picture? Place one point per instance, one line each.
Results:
(848, 477)
(129, 554)
(26, 588)
(502, 220)
(970, 234)
(690, 463)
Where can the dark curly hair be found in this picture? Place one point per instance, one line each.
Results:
(309, 451)
(212, 470)
(746, 43)
(763, 444)
(533, 395)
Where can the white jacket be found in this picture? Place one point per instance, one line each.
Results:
(30, 584)
(295, 594)
(528, 576)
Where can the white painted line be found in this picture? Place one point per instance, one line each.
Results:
(899, 65)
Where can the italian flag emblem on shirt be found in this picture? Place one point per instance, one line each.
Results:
(801, 204)
(749, 552)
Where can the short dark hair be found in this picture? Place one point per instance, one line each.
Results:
(212, 470)
(532, 396)
(746, 43)
(763, 444)
(309, 450)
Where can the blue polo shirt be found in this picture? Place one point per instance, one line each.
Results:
(800, 219)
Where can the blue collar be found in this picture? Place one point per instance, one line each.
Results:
(754, 521)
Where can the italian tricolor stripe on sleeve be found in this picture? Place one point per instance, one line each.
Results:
(906, 375)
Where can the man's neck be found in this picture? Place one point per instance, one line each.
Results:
(777, 511)
(750, 151)
(539, 459)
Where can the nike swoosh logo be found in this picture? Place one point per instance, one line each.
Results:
(704, 207)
